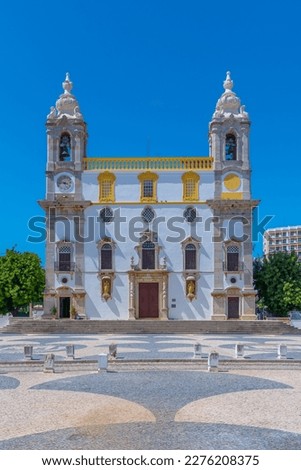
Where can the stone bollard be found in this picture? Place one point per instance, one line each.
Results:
(49, 363)
(213, 361)
(70, 350)
(113, 350)
(28, 350)
(102, 362)
(282, 351)
(239, 351)
(197, 351)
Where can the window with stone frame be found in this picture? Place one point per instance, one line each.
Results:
(230, 147)
(64, 258)
(148, 255)
(232, 260)
(106, 248)
(106, 259)
(190, 257)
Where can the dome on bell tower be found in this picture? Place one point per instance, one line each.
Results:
(229, 103)
(67, 105)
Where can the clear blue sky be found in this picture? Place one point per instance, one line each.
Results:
(147, 74)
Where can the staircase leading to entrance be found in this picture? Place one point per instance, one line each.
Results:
(29, 326)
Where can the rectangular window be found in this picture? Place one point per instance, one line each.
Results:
(190, 188)
(64, 261)
(148, 188)
(148, 259)
(106, 189)
(106, 259)
(232, 262)
(190, 259)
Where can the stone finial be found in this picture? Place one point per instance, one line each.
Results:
(67, 84)
(228, 83)
(229, 104)
(67, 104)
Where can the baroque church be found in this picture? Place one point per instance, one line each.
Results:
(164, 238)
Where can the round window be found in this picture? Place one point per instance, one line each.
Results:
(190, 214)
(148, 214)
(106, 214)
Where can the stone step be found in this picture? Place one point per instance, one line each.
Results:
(29, 326)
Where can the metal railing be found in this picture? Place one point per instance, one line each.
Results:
(64, 266)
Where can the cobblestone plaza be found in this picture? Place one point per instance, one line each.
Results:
(167, 402)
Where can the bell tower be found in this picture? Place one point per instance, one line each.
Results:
(232, 207)
(64, 206)
(229, 140)
(66, 144)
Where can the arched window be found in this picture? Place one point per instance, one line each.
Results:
(65, 148)
(106, 256)
(190, 257)
(106, 248)
(148, 255)
(230, 147)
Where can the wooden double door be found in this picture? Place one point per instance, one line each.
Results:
(148, 299)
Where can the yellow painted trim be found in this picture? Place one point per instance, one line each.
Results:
(108, 177)
(148, 176)
(237, 195)
(195, 178)
(149, 163)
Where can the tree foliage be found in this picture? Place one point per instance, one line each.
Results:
(22, 280)
(278, 282)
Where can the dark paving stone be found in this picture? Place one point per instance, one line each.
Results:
(139, 436)
(8, 382)
(162, 392)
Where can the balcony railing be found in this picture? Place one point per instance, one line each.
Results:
(155, 163)
(233, 268)
(64, 266)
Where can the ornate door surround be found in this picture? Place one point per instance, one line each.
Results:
(161, 278)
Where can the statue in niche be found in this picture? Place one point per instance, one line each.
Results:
(106, 288)
(65, 148)
(190, 289)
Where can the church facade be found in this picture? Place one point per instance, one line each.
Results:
(156, 237)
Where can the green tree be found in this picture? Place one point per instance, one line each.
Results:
(22, 280)
(278, 282)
